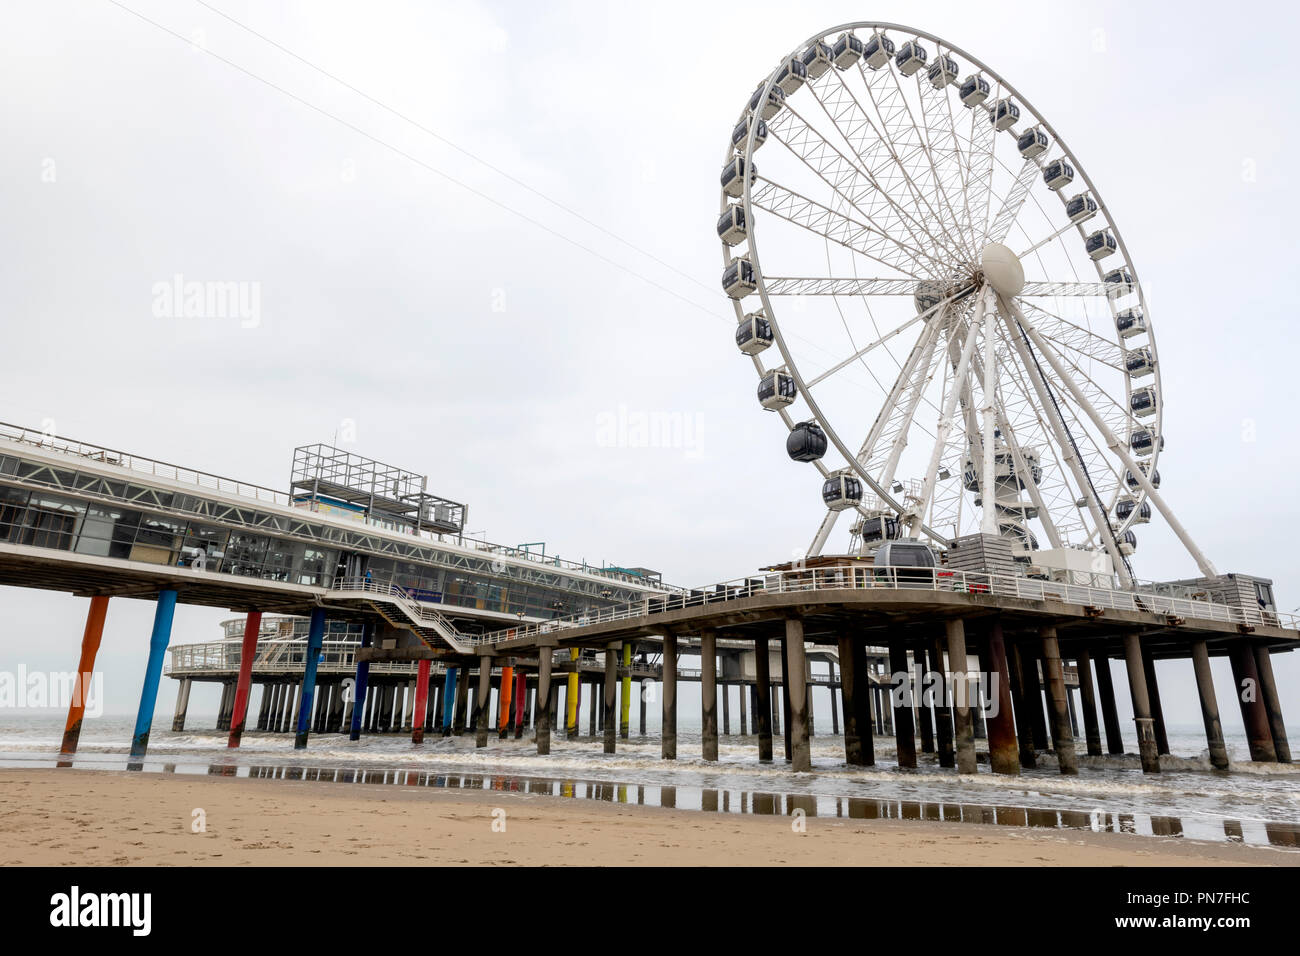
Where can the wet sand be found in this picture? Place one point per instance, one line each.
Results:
(110, 818)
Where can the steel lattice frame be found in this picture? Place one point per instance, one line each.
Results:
(901, 177)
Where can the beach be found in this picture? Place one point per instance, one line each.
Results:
(119, 818)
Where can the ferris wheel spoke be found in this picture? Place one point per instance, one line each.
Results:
(896, 416)
(846, 180)
(792, 285)
(936, 101)
(864, 351)
(911, 130)
(865, 238)
(1013, 202)
(1078, 339)
(1051, 410)
(881, 161)
(1056, 290)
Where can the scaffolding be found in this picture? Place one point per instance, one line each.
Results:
(331, 476)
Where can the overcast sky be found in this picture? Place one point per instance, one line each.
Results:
(463, 327)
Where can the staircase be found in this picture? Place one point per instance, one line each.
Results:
(399, 609)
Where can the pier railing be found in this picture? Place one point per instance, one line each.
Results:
(862, 576)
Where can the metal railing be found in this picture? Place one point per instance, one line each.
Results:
(862, 576)
(287, 656)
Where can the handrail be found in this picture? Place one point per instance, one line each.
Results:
(908, 579)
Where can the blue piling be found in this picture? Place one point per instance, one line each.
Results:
(158, 641)
(449, 699)
(315, 640)
(361, 683)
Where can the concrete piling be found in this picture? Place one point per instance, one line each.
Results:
(942, 706)
(482, 700)
(668, 734)
(1054, 672)
(904, 732)
(159, 638)
(1245, 675)
(1137, 682)
(91, 637)
(421, 700)
(797, 684)
(764, 706)
(1209, 706)
(612, 653)
(625, 700)
(1088, 702)
(315, 640)
(1020, 699)
(709, 693)
(1003, 750)
(1109, 711)
(1157, 711)
(963, 733)
(545, 654)
(1272, 703)
(247, 652)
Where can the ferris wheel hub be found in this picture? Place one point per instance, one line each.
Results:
(1002, 269)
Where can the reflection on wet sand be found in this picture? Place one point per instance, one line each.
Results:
(719, 800)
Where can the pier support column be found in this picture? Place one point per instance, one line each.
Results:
(1088, 700)
(1003, 751)
(709, 693)
(904, 731)
(572, 690)
(545, 655)
(315, 640)
(742, 695)
(247, 652)
(763, 704)
(1032, 657)
(1020, 698)
(449, 694)
(669, 732)
(612, 654)
(942, 707)
(264, 708)
(797, 682)
(360, 684)
(182, 705)
(421, 700)
(855, 697)
(521, 702)
(91, 636)
(963, 733)
(158, 641)
(1157, 711)
(726, 710)
(785, 699)
(482, 700)
(1109, 712)
(1245, 675)
(1209, 706)
(641, 695)
(462, 700)
(505, 698)
(1137, 683)
(625, 700)
(1062, 737)
(1272, 702)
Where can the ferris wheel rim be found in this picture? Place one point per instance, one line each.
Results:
(1122, 488)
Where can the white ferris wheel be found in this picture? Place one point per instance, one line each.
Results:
(952, 306)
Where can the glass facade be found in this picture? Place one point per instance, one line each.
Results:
(160, 527)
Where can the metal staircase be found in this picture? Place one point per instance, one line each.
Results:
(399, 609)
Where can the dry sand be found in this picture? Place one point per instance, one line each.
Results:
(94, 818)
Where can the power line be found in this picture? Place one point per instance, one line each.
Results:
(456, 146)
(419, 162)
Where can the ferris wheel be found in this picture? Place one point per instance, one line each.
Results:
(945, 317)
